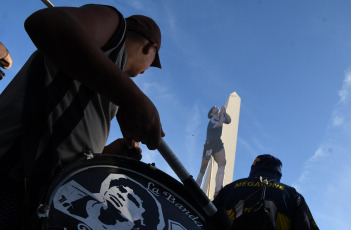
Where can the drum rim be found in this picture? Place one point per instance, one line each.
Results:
(66, 173)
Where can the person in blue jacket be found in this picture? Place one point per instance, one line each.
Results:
(287, 208)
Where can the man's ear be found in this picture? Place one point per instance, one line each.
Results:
(148, 48)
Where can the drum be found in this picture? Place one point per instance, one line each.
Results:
(112, 192)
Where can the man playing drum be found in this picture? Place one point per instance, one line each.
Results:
(62, 101)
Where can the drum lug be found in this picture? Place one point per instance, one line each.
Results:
(43, 211)
(89, 154)
(152, 166)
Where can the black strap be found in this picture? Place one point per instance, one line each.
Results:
(265, 183)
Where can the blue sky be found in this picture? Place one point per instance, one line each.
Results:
(289, 61)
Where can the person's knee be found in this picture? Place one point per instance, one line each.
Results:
(221, 162)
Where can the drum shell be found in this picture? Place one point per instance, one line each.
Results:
(166, 203)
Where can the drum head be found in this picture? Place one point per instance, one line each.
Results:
(111, 192)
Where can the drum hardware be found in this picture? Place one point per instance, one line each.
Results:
(43, 211)
(89, 154)
(152, 166)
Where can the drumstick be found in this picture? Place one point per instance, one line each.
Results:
(218, 218)
(48, 3)
(186, 178)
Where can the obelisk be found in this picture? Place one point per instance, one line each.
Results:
(229, 138)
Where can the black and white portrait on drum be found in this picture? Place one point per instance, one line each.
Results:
(122, 203)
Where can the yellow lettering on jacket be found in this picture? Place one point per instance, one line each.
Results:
(238, 184)
(257, 184)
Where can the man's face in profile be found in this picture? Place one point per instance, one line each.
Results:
(120, 209)
(116, 206)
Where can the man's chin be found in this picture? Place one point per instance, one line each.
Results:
(132, 74)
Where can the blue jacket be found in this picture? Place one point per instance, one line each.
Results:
(288, 209)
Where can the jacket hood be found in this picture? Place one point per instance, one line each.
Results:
(268, 166)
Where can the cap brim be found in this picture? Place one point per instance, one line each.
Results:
(157, 62)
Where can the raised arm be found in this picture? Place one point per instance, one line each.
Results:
(72, 37)
(224, 118)
(228, 119)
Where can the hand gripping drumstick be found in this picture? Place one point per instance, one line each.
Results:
(218, 218)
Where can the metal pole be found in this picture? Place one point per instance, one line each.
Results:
(188, 181)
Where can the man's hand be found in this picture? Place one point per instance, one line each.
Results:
(224, 113)
(223, 110)
(122, 147)
(5, 57)
(140, 121)
(6, 62)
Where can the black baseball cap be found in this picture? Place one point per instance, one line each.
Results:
(147, 28)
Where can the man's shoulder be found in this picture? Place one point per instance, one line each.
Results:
(289, 187)
(212, 122)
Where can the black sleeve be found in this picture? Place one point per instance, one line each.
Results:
(303, 219)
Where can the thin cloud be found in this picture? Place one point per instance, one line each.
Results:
(341, 113)
(317, 155)
(308, 167)
(324, 173)
(337, 120)
(344, 93)
(262, 148)
(170, 19)
(154, 89)
(251, 150)
(340, 118)
(136, 4)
